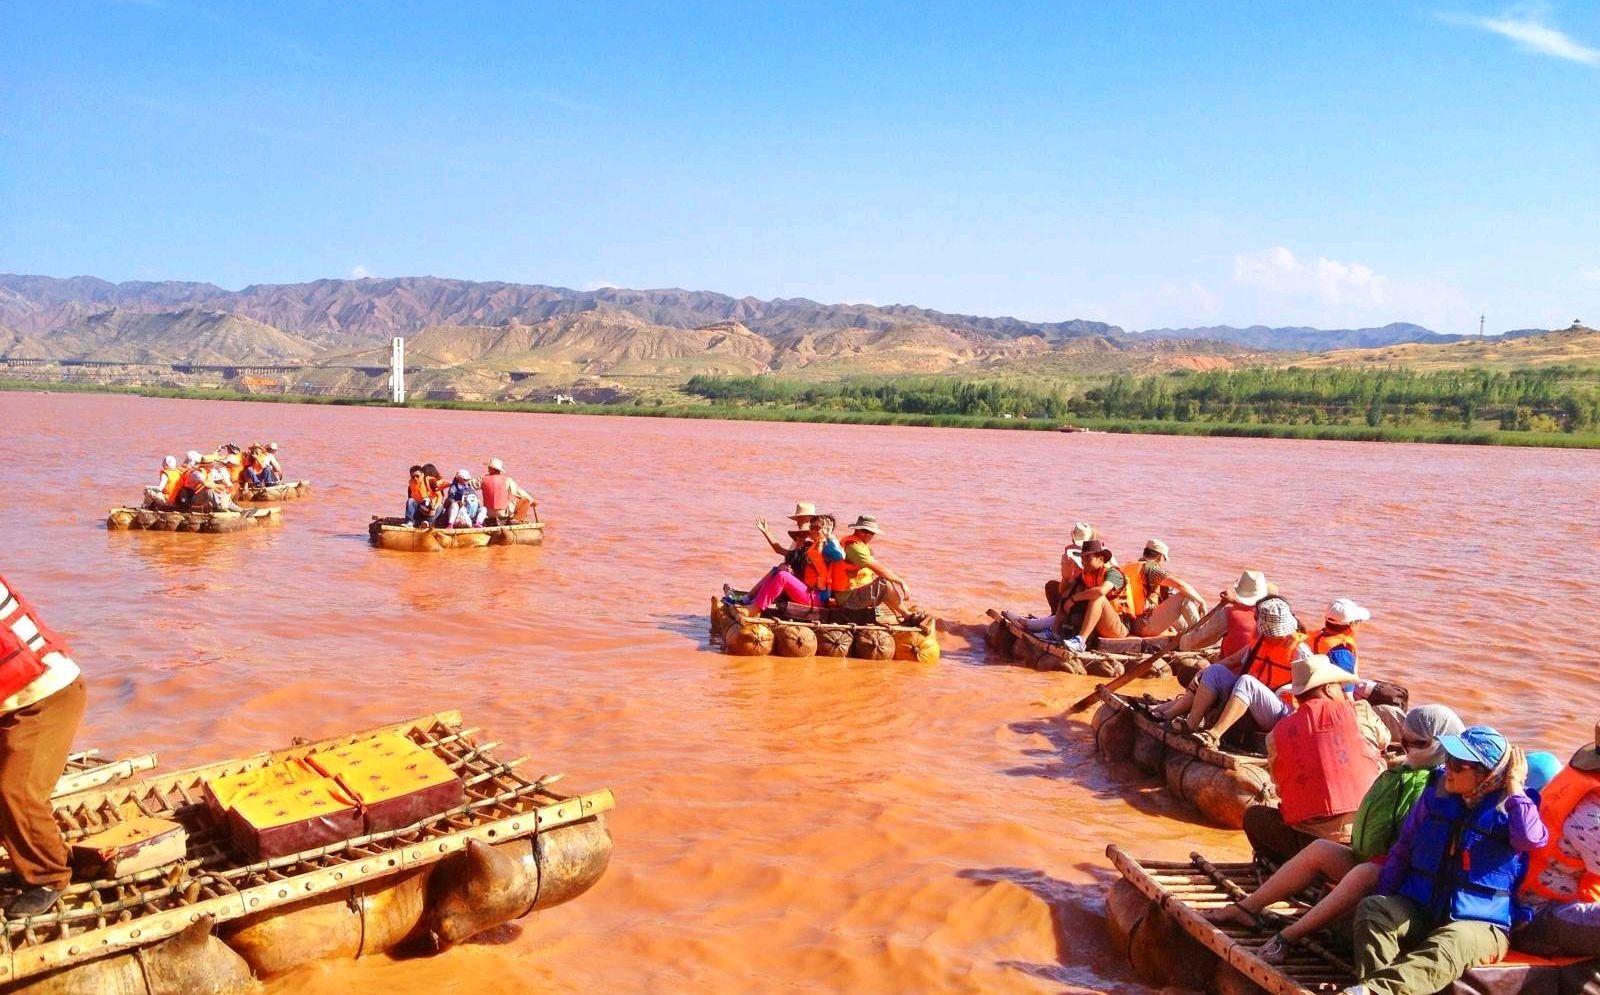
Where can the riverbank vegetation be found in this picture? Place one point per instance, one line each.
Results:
(1551, 408)
(1550, 400)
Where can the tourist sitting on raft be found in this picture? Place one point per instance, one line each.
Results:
(869, 583)
(1268, 660)
(1071, 564)
(163, 495)
(1446, 899)
(808, 569)
(1092, 604)
(504, 501)
(261, 466)
(1322, 763)
(1350, 869)
(463, 506)
(424, 495)
(1337, 637)
(1157, 601)
(1561, 888)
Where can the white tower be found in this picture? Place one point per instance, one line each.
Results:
(397, 371)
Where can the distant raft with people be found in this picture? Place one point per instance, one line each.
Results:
(1011, 638)
(794, 630)
(288, 490)
(1220, 782)
(1157, 913)
(400, 535)
(413, 836)
(211, 522)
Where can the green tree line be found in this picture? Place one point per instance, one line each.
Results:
(1548, 399)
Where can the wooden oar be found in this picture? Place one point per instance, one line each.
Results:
(1139, 669)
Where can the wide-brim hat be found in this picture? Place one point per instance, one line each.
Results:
(1312, 672)
(1250, 588)
(1588, 758)
(463, 474)
(866, 523)
(1093, 547)
(804, 510)
(1156, 546)
(1082, 532)
(799, 533)
(496, 465)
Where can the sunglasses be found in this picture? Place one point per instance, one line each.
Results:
(1460, 765)
(1416, 744)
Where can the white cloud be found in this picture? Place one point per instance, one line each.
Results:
(1530, 30)
(1328, 281)
(359, 272)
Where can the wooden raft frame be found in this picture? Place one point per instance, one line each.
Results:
(1181, 890)
(283, 490)
(1100, 662)
(87, 770)
(98, 918)
(1178, 743)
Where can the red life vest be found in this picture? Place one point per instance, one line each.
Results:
(1241, 631)
(1119, 597)
(24, 642)
(1556, 803)
(1273, 663)
(496, 492)
(1321, 763)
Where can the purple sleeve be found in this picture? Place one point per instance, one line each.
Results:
(1398, 861)
(1527, 829)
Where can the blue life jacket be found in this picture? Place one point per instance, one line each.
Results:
(1462, 864)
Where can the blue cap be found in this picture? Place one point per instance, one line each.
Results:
(1479, 745)
(1542, 769)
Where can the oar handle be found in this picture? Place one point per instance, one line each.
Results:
(1136, 671)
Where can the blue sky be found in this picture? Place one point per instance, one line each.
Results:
(1146, 164)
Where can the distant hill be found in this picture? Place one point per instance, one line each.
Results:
(499, 339)
(1303, 339)
(331, 312)
(1578, 345)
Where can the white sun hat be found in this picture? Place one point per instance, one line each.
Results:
(1345, 611)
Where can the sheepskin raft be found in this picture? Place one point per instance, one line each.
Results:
(775, 635)
(287, 490)
(1220, 783)
(395, 533)
(192, 521)
(215, 918)
(87, 769)
(1156, 912)
(1109, 657)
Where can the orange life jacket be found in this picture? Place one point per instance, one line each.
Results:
(1272, 663)
(1139, 596)
(820, 575)
(1119, 599)
(1321, 763)
(171, 482)
(1556, 803)
(235, 471)
(24, 642)
(417, 489)
(1324, 642)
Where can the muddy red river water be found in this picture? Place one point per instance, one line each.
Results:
(811, 825)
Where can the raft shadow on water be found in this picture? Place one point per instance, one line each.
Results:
(1075, 759)
(1078, 921)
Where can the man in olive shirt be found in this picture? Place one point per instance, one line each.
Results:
(871, 583)
(1097, 595)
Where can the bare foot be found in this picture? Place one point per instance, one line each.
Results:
(1232, 914)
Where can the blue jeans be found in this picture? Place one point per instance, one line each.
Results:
(416, 511)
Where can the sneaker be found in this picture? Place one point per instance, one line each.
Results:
(34, 901)
(1275, 952)
(1075, 644)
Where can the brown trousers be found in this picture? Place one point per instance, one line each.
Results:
(34, 743)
